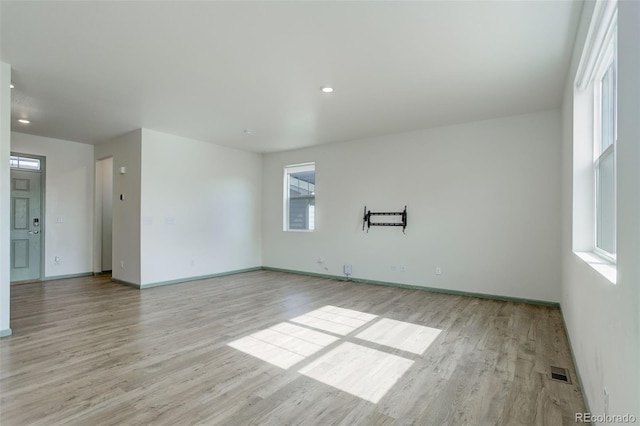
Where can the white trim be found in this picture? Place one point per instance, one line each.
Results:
(300, 168)
(605, 255)
(607, 152)
(603, 15)
(601, 265)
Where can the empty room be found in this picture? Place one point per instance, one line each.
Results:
(319, 212)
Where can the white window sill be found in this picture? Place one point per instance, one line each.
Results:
(600, 264)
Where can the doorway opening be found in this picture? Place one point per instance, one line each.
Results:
(104, 215)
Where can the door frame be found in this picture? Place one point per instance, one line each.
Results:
(43, 201)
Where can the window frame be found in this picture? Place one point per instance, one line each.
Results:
(288, 171)
(607, 60)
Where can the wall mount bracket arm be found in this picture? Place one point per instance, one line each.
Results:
(366, 220)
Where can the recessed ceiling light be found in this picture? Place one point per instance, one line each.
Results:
(12, 86)
(327, 89)
(23, 121)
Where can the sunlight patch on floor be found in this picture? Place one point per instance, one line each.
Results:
(400, 335)
(284, 344)
(363, 372)
(334, 320)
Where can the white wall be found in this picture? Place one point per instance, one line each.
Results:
(126, 151)
(69, 196)
(201, 207)
(5, 149)
(625, 396)
(602, 318)
(483, 204)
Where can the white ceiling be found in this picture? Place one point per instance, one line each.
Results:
(89, 71)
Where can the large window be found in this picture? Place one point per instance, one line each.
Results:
(605, 135)
(594, 144)
(299, 197)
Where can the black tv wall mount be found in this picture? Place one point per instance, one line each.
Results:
(366, 220)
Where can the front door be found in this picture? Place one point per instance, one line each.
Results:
(26, 225)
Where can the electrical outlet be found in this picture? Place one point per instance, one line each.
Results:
(320, 260)
(56, 259)
(438, 270)
(394, 268)
(402, 269)
(348, 269)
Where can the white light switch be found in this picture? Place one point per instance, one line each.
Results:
(59, 219)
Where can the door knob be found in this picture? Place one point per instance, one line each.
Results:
(34, 232)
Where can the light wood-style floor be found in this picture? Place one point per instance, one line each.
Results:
(87, 351)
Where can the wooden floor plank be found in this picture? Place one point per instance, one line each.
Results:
(87, 351)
